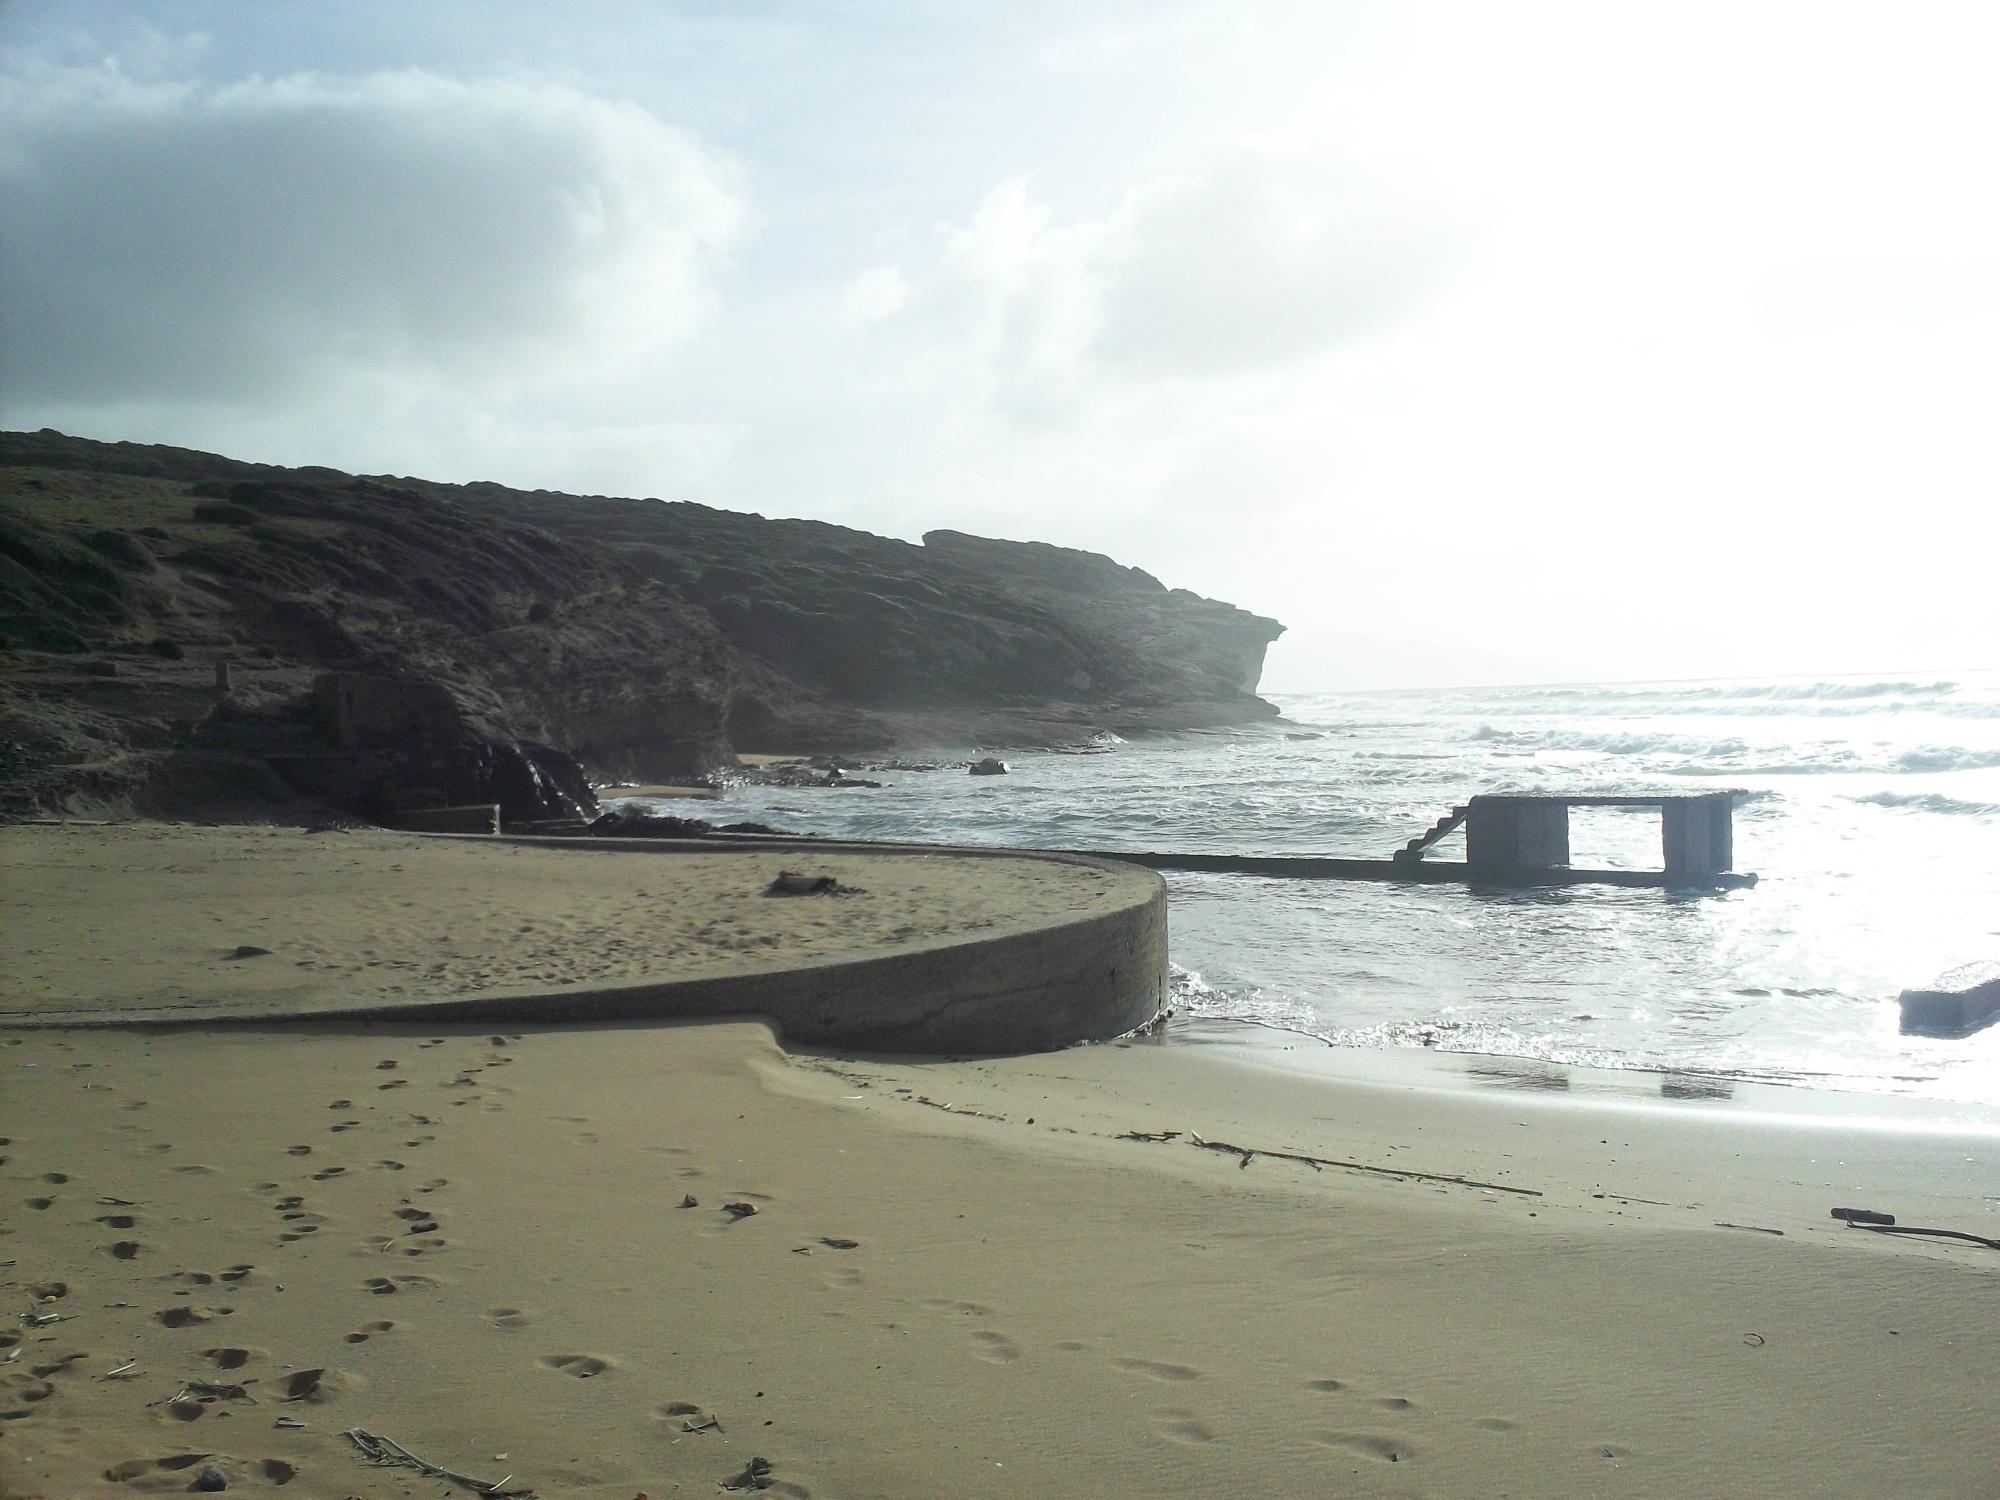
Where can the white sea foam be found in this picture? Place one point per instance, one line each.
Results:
(1861, 795)
(1930, 802)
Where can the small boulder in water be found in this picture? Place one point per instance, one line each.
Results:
(1962, 1002)
(987, 767)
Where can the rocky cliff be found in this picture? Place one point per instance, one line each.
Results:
(631, 638)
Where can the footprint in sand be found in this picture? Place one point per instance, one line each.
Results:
(233, 1357)
(994, 1348)
(582, 1366)
(316, 1385)
(1387, 1450)
(325, 1173)
(1179, 1425)
(38, 1204)
(506, 1317)
(133, 1468)
(948, 1304)
(367, 1331)
(189, 1316)
(1494, 1424)
(26, 1388)
(1154, 1369)
(298, 1150)
(1394, 1403)
(388, 1286)
(1328, 1385)
(123, 1249)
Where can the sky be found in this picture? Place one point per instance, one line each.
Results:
(1476, 343)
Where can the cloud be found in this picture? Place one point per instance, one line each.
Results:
(1277, 251)
(876, 293)
(237, 245)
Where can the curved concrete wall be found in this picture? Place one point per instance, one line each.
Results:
(1036, 985)
(1032, 989)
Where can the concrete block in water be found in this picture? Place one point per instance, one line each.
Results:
(1963, 1002)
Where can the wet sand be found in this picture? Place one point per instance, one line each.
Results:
(1006, 1277)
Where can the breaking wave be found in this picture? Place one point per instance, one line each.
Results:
(1930, 802)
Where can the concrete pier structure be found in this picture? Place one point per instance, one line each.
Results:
(1526, 834)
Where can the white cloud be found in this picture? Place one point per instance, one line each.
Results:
(182, 243)
(876, 293)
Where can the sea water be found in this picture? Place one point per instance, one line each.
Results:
(1870, 810)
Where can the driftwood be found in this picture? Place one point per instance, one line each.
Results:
(387, 1451)
(1246, 1153)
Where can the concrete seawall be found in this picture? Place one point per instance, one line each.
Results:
(1031, 990)
(1046, 985)
(942, 952)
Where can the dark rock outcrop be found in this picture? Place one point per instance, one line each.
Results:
(644, 640)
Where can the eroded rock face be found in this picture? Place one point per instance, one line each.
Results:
(641, 639)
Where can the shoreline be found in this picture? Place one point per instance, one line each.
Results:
(671, 1250)
(996, 1277)
(1562, 1083)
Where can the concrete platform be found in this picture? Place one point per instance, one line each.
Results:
(979, 952)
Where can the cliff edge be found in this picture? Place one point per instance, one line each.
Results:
(174, 627)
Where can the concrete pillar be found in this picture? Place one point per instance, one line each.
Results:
(1511, 834)
(1697, 835)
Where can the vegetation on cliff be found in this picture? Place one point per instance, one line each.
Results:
(632, 638)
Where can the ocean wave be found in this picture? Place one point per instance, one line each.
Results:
(1931, 802)
(1947, 758)
(1791, 691)
(1610, 742)
(1974, 698)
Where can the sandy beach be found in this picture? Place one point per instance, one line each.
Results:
(1105, 1271)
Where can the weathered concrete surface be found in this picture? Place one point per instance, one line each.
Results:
(1962, 1002)
(1048, 952)
(1033, 990)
